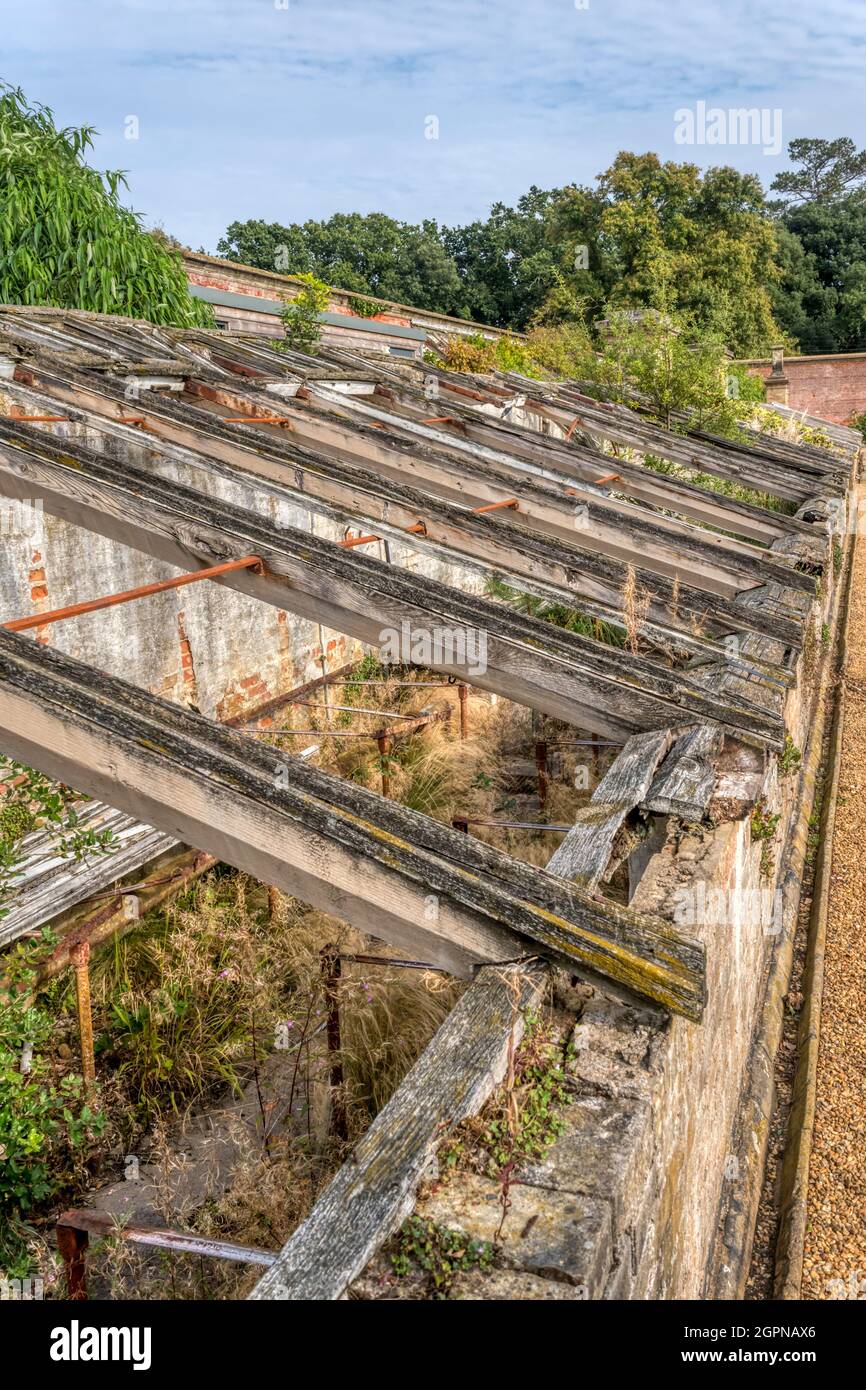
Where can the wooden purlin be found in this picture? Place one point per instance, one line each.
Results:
(452, 1078)
(546, 567)
(549, 505)
(794, 479)
(555, 670)
(389, 871)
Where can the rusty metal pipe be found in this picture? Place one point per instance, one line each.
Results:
(111, 600)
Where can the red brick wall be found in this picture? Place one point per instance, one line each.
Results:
(833, 387)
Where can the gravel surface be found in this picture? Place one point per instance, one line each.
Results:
(835, 1251)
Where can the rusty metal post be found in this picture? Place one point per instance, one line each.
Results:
(81, 962)
(331, 971)
(385, 744)
(463, 692)
(273, 902)
(541, 768)
(72, 1245)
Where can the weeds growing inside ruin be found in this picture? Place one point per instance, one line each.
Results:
(764, 824)
(790, 757)
(441, 1253)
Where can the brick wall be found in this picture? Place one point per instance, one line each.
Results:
(831, 386)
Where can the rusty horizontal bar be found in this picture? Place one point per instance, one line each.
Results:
(459, 822)
(74, 610)
(392, 960)
(420, 529)
(351, 709)
(99, 1224)
(256, 420)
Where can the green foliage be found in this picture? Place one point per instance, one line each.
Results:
(764, 824)
(556, 613)
(364, 308)
(830, 170)
(301, 315)
(173, 1005)
(65, 238)
(703, 247)
(790, 757)
(507, 264)
(44, 1118)
(671, 365)
(525, 1116)
(441, 1253)
(370, 254)
(858, 422)
(31, 801)
(696, 245)
(821, 299)
(742, 386)
(542, 1095)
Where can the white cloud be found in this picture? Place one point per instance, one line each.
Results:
(250, 110)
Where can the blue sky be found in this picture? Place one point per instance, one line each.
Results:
(289, 109)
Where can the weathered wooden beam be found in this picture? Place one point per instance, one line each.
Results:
(549, 567)
(634, 479)
(375, 1190)
(585, 852)
(433, 893)
(611, 524)
(587, 519)
(526, 660)
(684, 784)
(743, 463)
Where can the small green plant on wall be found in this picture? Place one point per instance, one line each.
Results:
(301, 315)
(764, 824)
(364, 308)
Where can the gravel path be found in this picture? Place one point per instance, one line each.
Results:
(835, 1252)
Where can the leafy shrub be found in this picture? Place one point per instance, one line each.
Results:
(65, 238)
(301, 315)
(44, 1118)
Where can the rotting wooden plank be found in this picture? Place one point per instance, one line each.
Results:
(49, 883)
(547, 566)
(555, 670)
(391, 872)
(374, 1191)
(742, 463)
(589, 520)
(684, 784)
(634, 478)
(610, 515)
(585, 852)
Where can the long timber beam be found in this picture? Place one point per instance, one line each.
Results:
(389, 871)
(633, 479)
(678, 617)
(608, 690)
(551, 503)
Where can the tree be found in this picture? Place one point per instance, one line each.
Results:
(830, 170)
(301, 315)
(506, 264)
(370, 254)
(668, 237)
(821, 299)
(65, 238)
